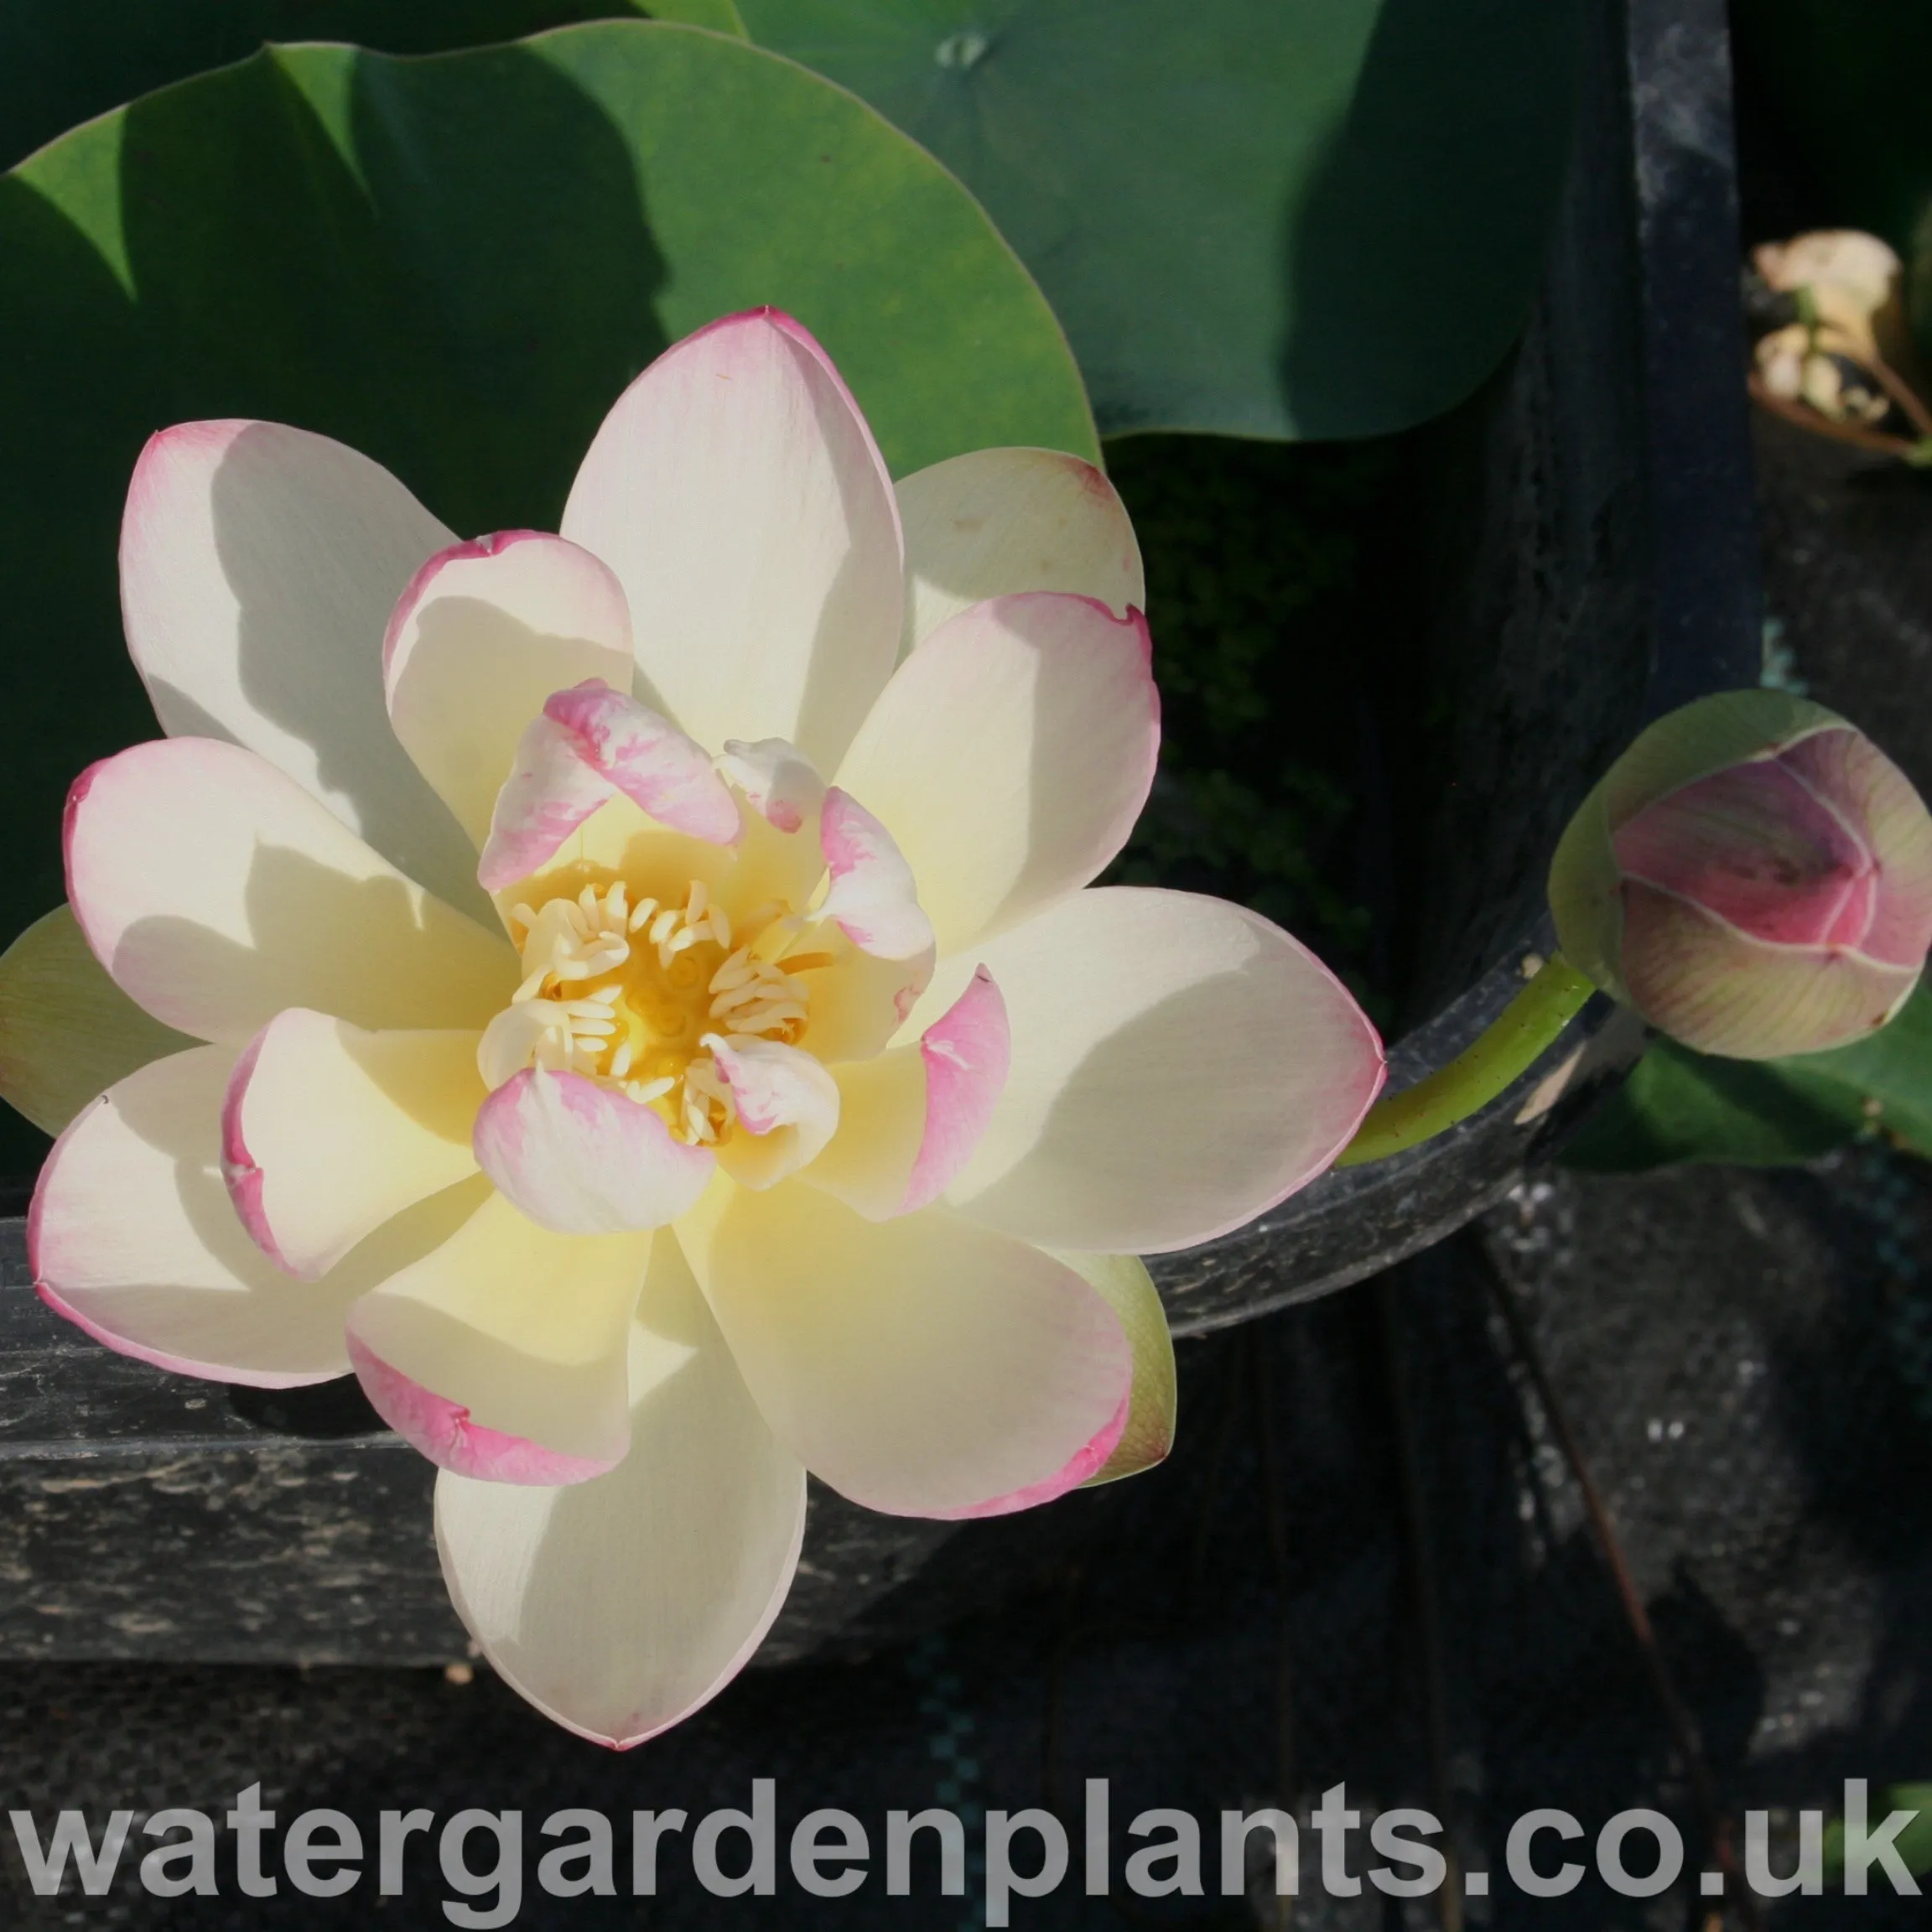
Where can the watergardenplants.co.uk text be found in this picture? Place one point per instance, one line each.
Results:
(481, 1854)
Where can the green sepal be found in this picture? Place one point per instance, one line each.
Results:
(67, 1031)
(1128, 1289)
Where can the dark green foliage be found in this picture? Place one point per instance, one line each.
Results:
(1678, 1105)
(1325, 219)
(63, 62)
(1255, 558)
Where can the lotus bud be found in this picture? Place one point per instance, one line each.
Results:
(1754, 876)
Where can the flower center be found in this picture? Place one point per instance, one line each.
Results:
(636, 996)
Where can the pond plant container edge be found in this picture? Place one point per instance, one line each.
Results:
(1599, 567)
(1596, 565)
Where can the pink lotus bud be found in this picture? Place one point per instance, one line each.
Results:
(1754, 875)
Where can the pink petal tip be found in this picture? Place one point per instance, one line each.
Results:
(443, 1432)
(968, 1052)
(1089, 1460)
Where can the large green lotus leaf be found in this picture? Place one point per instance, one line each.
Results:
(63, 62)
(1263, 217)
(454, 264)
(1678, 1105)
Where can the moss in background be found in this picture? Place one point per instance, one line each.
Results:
(1265, 600)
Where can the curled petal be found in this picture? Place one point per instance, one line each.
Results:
(784, 1099)
(774, 1086)
(453, 1439)
(619, 1605)
(132, 1237)
(590, 743)
(501, 1353)
(873, 899)
(779, 783)
(582, 1159)
(860, 1002)
(966, 1054)
(509, 1043)
(911, 1119)
(329, 1130)
(484, 632)
(662, 772)
(778, 857)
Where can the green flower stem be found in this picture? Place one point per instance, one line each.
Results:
(1477, 1074)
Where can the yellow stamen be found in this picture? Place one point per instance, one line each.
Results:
(627, 994)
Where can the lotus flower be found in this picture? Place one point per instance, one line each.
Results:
(652, 1022)
(1754, 876)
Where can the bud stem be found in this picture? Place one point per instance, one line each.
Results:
(1511, 1043)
